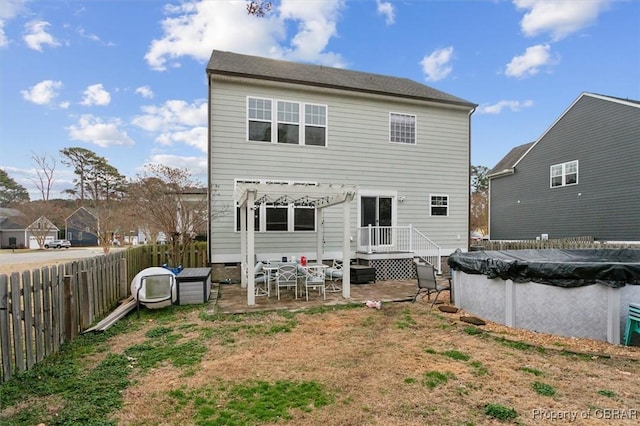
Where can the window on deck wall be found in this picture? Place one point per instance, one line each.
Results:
(281, 217)
(439, 205)
(564, 174)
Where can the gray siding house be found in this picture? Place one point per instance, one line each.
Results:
(580, 178)
(403, 145)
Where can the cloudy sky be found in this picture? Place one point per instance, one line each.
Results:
(126, 78)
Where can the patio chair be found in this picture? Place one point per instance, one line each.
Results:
(333, 274)
(314, 278)
(428, 283)
(287, 277)
(261, 282)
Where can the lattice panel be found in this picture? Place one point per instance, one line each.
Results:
(393, 269)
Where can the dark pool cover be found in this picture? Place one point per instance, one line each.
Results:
(564, 268)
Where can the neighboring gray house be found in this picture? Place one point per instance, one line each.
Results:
(13, 233)
(580, 178)
(81, 228)
(298, 127)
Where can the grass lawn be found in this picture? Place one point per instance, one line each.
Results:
(348, 365)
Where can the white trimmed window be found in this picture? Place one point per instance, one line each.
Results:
(439, 205)
(402, 128)
(288, 123)
(259, 117)
(564, 174)
(283, 217)
(315, 125)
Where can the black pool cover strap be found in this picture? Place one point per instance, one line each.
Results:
(558, 267)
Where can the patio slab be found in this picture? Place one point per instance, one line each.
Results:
(232, 298)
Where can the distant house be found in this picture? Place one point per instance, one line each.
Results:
(81, 228)
(580, 178)
(13, 233)
(301, 137)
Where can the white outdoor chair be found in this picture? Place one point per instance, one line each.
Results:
(287, 277)
(314, 278)
(333, 274)
(261, 282)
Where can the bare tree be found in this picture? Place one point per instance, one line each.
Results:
(168, 200)
(479, 199)
(259, 8)
(46, 167)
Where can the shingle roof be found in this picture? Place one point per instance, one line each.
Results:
(509, 160)
(234, 64)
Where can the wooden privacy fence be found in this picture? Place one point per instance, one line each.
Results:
(43, 308)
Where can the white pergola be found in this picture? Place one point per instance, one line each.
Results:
(319, 196)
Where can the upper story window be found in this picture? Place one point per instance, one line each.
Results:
(564, 174)
(259, 115)
(315, 125)
(402, 128)
(289, 122)
(439, 205)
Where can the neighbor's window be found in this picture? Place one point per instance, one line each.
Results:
(288, 122)
(259, 114)
(315, 125)
(402, 128)
(564, 174)
(439, 205)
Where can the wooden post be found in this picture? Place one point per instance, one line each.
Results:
(27, 316)
(68, 309)
(5, 347)
(124, 287)
(18, 334)
(84, 301)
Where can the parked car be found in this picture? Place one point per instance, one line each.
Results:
(58, 244)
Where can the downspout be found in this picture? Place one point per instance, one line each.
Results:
(209, 173)
(469, 183)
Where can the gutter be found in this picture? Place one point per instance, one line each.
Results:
(501, 173)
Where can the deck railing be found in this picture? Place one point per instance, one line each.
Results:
(407, 239)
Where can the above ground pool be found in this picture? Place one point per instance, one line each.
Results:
(575, 293)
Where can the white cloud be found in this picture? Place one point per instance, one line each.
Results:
(513, 106)
(93, 130)
(176, 122)
(195, 28)
(559, 18)
(4, 41)
(9, 9)
(42, 93)
(437, 65)
(96, 95)
(530, 62)
(385, 8)
(145, 92)
(36, 35)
